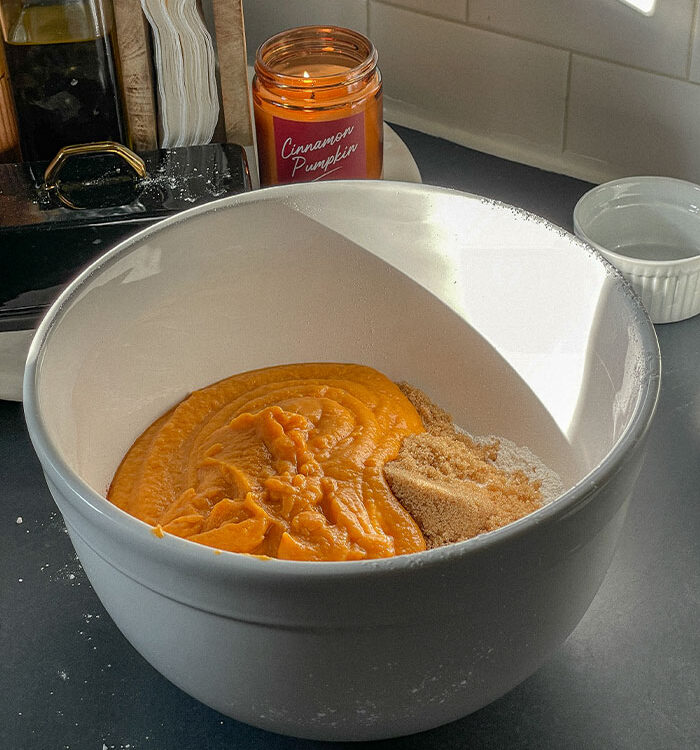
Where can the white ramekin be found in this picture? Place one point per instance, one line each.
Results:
(658, 214)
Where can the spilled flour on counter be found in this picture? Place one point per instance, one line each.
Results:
(457, 486)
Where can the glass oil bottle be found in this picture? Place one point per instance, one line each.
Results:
(64, 72)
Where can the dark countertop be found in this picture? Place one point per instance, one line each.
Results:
(628, 677)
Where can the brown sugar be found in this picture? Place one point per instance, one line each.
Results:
(452, 484)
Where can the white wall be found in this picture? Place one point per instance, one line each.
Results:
(590, 88)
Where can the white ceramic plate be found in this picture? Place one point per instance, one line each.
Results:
(399, 165)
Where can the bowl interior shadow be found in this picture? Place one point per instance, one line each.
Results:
(478, 325)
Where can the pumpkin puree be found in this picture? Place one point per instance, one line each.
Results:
(284, 462)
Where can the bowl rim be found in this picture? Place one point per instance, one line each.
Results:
(171, 549)
(670, 265)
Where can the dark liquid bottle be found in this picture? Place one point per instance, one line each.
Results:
(64, 75)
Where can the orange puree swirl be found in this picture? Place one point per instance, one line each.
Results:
(284, 462)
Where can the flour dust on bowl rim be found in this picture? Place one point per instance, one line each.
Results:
(509, 323)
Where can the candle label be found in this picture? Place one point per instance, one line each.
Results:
(310, 151)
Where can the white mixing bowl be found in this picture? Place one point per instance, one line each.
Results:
(511, 324)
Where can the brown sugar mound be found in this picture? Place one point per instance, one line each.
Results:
(451, 484)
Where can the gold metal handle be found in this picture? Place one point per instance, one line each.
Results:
(52, 180)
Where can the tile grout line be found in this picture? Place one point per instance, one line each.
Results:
(546, 45)
(689, 61)
(565, 126)
(425, 13)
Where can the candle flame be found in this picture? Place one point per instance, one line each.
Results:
(306, 74)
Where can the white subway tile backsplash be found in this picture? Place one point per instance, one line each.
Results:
(695, 60)
(478, 81)
(263, 18)
(635, 122)
(590, 88)
(601, 28)
(455, 10)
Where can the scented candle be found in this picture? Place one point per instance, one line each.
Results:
(317, 98)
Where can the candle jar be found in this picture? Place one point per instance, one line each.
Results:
(317, 99)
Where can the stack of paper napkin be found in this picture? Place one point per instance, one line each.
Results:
(185, 63)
